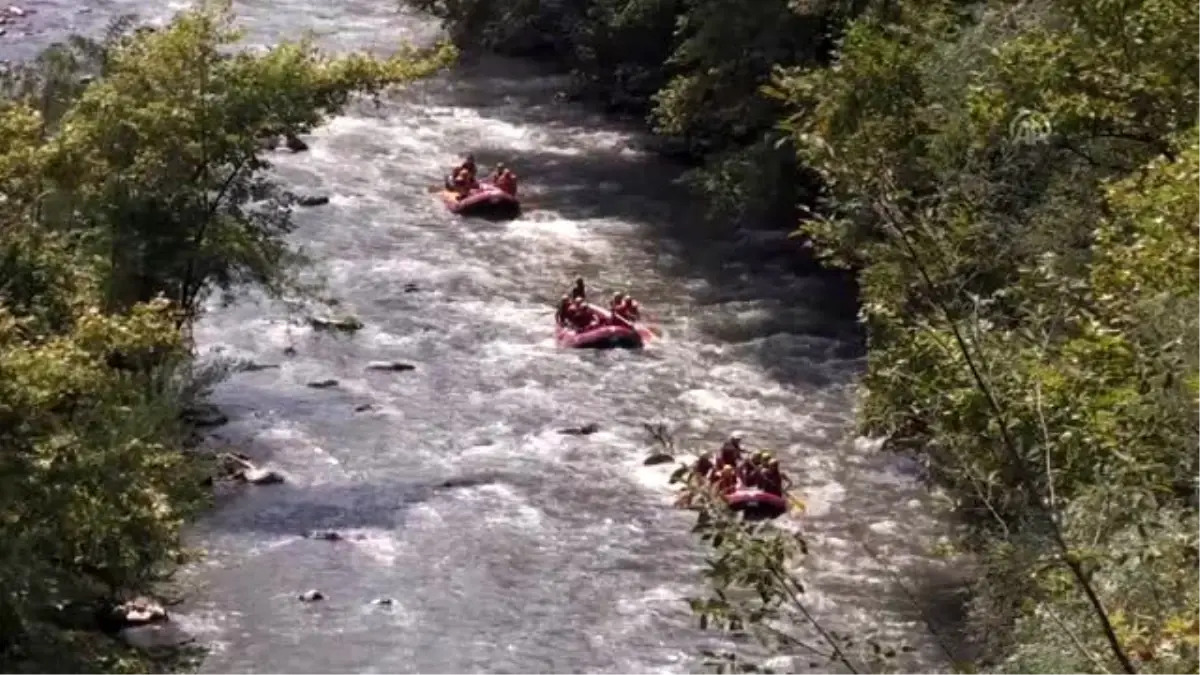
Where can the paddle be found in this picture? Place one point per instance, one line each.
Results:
(653, 330)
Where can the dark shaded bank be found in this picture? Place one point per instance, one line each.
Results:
(719, 247)
(100, 392)
(692, 73)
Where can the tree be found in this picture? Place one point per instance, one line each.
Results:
(1015, 185)
(159, 163)
(131, 172)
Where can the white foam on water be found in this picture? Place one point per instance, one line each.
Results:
(484, 292)
(548, 230)
(500, 506)
(380, 545)
(756, 413)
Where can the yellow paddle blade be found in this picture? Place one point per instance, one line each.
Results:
(797, 503)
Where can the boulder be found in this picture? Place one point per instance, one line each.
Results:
(259, 476)
(204, 416)
(139, 612)
(585, 430)
(324, 535)
(323, 384)
(391, 366)
(312, 200)
(659, 458)
(311, 595)
(155, 637)
(295, 144)
(346, 324)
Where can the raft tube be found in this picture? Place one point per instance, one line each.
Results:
(756, 504)
(608, 336)
(604, 337)
(487, 200)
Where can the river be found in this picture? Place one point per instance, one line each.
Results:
(550, 553)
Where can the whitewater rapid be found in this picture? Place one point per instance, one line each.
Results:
(550, 552)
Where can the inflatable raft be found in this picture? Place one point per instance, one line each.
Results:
(487, 200)
(610, 335)
(756, 504)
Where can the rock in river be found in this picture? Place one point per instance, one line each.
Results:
(311, 595)
(323, 384)
(260, 476)
(347, 324)
(204, 416)
(659, 458)
(312, 200)
(585, 430)
(391, 366)
(139, 612)
(155, 637)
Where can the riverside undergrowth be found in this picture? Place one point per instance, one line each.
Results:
(1016, 185)
(133, 183)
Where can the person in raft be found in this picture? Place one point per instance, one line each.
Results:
(578, 292)
(505, 179)
(733, 469)
(575, 314)
(625, 307)
(462, 177)
(563, 312)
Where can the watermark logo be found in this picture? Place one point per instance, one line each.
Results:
(1030, 127)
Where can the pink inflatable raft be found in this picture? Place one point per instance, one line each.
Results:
(756, 504)
(609, 335)
(487, 200)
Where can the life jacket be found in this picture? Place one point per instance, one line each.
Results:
(750, 474)
(507, 181)
(771, 481)
(729, 455)
(462, 178)
(579, 316)
(727, 482)
(629, 309)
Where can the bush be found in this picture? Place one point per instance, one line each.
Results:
(129, 175)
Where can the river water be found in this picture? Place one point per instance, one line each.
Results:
(549, 552)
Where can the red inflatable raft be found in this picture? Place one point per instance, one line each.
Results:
(610, 334)
(756, 504)
(486, 200)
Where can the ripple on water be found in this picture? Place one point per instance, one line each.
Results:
(553, 553)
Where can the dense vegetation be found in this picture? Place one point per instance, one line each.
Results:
(131, 184)
(1016, 186)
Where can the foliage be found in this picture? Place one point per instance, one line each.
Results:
(755, 591)
(131, 182)
(1017, 184)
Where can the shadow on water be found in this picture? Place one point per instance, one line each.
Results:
(803, 318)
(290, 509)
(793, 296)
